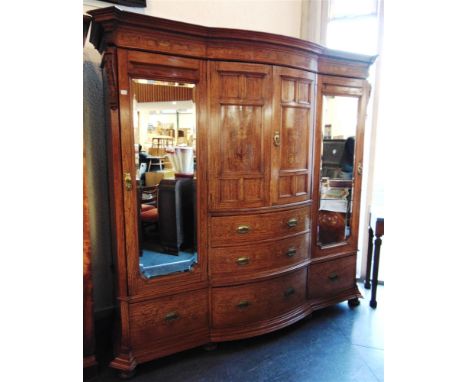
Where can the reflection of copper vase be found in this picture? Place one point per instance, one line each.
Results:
(331, 227)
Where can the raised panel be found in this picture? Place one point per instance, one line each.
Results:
(295, 140)
(240, 123)
(229, 85)
(241, 139)
(288, 90)
(229, 190)
(254, 87)
(253, 189)
(285, 186)
(293, 125)
(301, 184)
(303, 92)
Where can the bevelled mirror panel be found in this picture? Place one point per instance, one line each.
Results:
(164, 124)
(339, 124)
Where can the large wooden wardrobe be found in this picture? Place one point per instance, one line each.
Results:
(276, 214)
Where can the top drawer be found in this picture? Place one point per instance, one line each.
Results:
(232, 230)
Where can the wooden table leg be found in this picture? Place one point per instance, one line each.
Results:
(367, 284)
(379, 231)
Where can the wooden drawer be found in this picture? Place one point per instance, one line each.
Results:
(162, 320)
(235, 230)
(331, 277)
(239, 305)
(247, 259)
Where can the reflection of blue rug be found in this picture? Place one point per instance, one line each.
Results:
(158, 264)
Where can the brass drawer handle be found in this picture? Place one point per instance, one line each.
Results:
(172, 316)
(243, 229)
(292, 222)
(243, 304)
(242, 261)
(291, 252)
(289, 292)
(333, 277)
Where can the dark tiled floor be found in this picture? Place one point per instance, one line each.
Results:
(336, 344)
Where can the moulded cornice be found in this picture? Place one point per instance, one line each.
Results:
(107, 20)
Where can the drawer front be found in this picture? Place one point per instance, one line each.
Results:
(240, 305)
(248, 259)
(161, 320)
(235, 230)
(331, 277)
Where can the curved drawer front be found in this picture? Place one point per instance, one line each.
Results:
(234, 230)
(331, 277)
(163, 319)
(239, 305)
(248, 259)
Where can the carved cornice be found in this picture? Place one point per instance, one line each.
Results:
(107, 20)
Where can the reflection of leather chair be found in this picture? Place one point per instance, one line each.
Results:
(331, 227)
(177, 229)
(149, 213)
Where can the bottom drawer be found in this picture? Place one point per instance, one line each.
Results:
(159, 321)
(331, 277)
(238, 305)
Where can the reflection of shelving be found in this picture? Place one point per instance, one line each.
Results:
(160, 143)
(335, 195)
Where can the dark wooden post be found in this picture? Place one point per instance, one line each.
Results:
(370, 247)
(379, 231)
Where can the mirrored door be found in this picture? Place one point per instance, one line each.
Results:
(337, 162)
(165, 134)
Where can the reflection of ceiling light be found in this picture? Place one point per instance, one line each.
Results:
(174, 102)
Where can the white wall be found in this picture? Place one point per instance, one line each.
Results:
(273, 16)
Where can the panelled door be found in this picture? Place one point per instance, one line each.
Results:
(292, 132)
(240, 135)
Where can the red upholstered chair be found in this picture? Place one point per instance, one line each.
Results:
(149, 214)
(146, 207)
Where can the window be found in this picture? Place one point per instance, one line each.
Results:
(353, 26)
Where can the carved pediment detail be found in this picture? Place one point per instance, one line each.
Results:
(109, 65)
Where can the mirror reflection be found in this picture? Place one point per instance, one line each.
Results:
(339, 124)
(164, 123)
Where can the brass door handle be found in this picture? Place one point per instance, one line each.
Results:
(291, 252)
(276, 138)
(288, 292)
(333, 276)
(243, 229)
(242, 261)
(128, 181)
(292, 222)
(172, 316)
(359, 168)
(243, 304)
